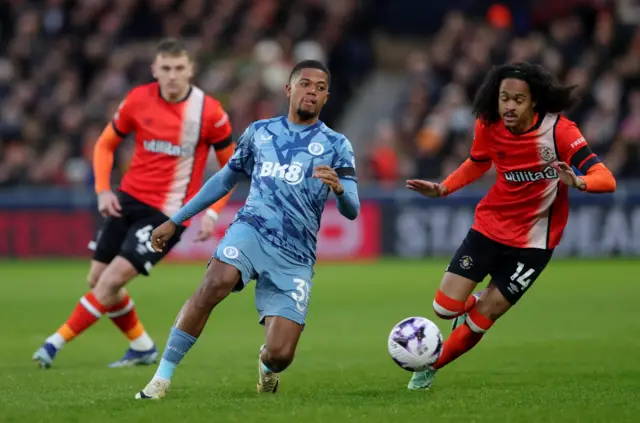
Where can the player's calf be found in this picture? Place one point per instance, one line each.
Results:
(109, 288)
(277, 354)
(217, 284)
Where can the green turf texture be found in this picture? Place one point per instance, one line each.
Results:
(568, 352)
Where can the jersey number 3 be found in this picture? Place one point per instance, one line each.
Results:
(301, 294)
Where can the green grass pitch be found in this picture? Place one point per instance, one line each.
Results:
(567, 353)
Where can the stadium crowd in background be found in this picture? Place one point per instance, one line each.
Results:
(65, 66)
(433, 120)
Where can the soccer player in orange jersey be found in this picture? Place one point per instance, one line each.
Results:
(520, 130)
(175, 125)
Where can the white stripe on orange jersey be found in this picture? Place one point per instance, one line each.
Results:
(189, 137)
(539, 232)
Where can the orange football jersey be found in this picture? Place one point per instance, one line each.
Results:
(172, 143)
(528, 207)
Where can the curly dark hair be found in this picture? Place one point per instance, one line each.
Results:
(546, 92)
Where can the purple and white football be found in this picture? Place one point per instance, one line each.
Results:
(415, 343)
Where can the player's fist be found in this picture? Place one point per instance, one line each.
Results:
(207, 225)
(108, 204)
(568, 176)
(426, 188)
(329, 177)
(161, 235)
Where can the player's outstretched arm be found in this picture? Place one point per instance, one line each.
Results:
(598, 178)
(349, 202)
(469, 172)
(223, 155)
(108, 203)
(213, 190)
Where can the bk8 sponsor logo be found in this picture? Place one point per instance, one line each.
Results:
(292, 173)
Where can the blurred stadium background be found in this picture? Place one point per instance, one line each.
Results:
(404, 73)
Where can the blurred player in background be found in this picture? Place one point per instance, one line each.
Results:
(520, 221)
(294, 162)
(175, 126)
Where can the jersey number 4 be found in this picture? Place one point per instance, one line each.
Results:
(144, 238)
(523, 279)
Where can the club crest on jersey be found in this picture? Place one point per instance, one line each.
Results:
(231, 252)
(316, 149)
(292, 173)
(528, 176)
(547, 154)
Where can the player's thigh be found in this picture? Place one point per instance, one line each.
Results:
(137, 249)
(283, 289)
(240, 248)
(470, 264)
(517, 270)
(220, 277)
(109, 240)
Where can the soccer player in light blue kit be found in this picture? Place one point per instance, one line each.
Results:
(293, 163)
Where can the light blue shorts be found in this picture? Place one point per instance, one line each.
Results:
(283, 285)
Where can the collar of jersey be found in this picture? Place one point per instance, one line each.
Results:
(297, 127)
(178, 101)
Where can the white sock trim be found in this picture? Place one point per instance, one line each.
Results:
(122, 311)
(142, 343)
(443, 311)
(56, 340)
(90, 308)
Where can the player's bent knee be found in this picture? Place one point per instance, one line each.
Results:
(492, 303)
(446, 307)
(280, 356)
(113, 279)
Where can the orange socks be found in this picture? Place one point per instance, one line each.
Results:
(124, 316)
(86, 313)
(464, 338)
(89, 310)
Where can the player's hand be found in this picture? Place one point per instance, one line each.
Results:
(161, 235)
(108, 204)
(568, 176)
(329, 177)
(426, 188)
(207, 224)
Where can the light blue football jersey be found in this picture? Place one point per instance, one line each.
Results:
(285, 203)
